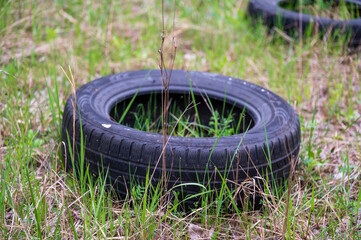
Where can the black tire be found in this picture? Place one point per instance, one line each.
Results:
(273, 15)
(129, 153)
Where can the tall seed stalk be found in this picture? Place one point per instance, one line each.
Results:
(166, 73)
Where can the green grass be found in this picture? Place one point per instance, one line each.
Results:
(338, 10)
(223, 119)
(39, 199)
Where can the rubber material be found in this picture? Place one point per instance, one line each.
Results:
(128, 153)
(273, 15)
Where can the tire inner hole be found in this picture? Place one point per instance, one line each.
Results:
(188, 115)
(337, 10)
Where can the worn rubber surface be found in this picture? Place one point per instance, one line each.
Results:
(273, 15)
(267, 148)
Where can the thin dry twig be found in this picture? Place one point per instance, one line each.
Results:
(73, 102)
(166, 73)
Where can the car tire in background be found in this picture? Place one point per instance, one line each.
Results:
(273, 15)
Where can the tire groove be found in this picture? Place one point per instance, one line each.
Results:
(122, 173)
(187, 169)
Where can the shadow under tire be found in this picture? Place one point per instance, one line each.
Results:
(273, 15)
(265, 150)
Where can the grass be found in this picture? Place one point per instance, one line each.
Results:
(39, 199)
(218, 118)
(338, 10)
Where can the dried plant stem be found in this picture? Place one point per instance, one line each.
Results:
(285, 221)
(73, 102)
(164, 98)
(166, 73)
